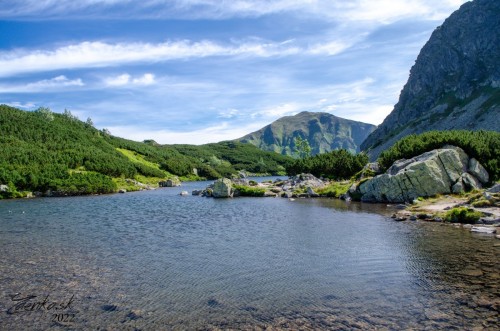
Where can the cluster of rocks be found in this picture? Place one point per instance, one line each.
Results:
(300, 186)
(440, 171)
(171, 182)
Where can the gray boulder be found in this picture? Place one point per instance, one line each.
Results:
(4, 188)
(478, 171)
(172, 182)
(440, 171)
(458, 187)
(311, 192)
(470, 182)
(223, 188)
(495, 188)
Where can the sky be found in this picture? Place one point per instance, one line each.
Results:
(200, 71)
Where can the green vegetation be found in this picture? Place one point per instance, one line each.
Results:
(482, 200)
(39, 149)
(248, 191)
(482, 145)
(334, 189)
(338, 165)
(462, 215)
(302, 147)
(42, 151)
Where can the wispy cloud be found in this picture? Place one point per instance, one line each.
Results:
(100, 54)
(46, 85)
(22, 105)
(277, 111)
(228, 113)
(382, 10)
(126, 79)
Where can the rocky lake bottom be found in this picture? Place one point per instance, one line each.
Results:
(156, 260)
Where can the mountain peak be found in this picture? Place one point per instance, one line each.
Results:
(455, 82)
(324, 132)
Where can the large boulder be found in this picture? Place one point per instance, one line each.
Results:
(441, 171)
(223, 188)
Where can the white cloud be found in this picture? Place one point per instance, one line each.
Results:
(277, 111)
(100, 54)
(146, 79)
(373, 113)
(56, 82)
(211, 134)
(46, 85)
(120, 80)
(126, 79)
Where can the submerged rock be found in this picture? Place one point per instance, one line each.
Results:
(483, 229)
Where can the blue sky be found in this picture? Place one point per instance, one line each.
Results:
(199, 71)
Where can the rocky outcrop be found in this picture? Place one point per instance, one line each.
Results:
(455, 82)
(324, 132)
(172, 182)
(303, 185)
(222, 188)
(441, 171)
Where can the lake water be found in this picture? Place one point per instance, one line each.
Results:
(155, 260)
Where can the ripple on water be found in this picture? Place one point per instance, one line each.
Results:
(155, 260)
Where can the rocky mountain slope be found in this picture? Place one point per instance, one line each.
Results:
(455, 82)
(324, 132)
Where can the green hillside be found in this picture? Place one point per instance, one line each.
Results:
(42, 150)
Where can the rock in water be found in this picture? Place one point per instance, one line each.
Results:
(441, 171)
(223, 188)
(483, 229)
(172, 182)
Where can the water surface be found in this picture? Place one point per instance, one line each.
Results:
(157, 260)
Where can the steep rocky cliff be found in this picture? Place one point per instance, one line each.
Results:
(455, 82)
(324, 132)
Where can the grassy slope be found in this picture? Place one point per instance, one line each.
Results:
(42, 151)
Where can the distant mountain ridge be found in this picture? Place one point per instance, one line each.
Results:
(324, 132)
(455, 82)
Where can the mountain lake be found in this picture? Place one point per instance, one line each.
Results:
(155, 260)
